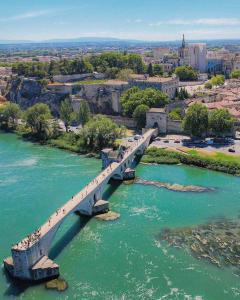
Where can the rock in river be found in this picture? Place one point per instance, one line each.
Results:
(58, 284)
(175, 186)
(109, 216)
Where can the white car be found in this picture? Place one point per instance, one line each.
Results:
(137, 137)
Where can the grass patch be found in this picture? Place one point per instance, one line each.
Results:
(90, 82)
(219, 162)
(68, 141)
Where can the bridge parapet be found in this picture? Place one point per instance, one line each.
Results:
(30, 256)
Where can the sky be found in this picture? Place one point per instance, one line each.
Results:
(158, 20)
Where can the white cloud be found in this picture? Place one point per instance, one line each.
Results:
(135, 21)
(206, 22)
(34, 14)
(27, 15)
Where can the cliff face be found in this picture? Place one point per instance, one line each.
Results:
(27, 92)
(102, 98)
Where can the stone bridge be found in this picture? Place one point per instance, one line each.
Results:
(29, 260)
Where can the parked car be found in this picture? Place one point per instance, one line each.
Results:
(231, 150)
(137, 137)
(177, 142)
(130, 140)
(166, 141)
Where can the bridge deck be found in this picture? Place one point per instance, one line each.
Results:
(60, 214)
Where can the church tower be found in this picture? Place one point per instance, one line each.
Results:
(183, 42)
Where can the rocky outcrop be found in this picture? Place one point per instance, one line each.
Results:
(27, 92)
(102, 98)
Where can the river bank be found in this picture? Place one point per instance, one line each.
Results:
(153, 155)
(65, 141)
(120, 259)
(225, 163)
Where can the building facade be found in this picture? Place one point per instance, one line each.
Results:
(194, 55)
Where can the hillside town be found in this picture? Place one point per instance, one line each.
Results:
(120, 150)
(187, 74)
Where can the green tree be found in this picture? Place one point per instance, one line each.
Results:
(111, 72)
(124, 74)
(100, 132)
(38, 119)
(133, 97)
(208, 85)
(84, 112)
(235, 74)
(9, 115)
(135, 62)
(217, 80)
(186, 73)
(158, 70)
(150, 70)
(183, 94)
(139, 115)
(176, 114)
(221, 122)
(195, 121)
(66, 111)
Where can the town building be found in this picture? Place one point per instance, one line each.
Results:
(160, 53)
(194, 55)
(168, 85)
(158, 118)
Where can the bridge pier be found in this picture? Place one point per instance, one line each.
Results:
(29, 260)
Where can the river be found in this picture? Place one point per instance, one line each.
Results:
(120, 259)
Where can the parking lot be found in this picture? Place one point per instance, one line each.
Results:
(177, 141)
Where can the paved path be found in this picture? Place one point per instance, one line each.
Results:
(89, 190)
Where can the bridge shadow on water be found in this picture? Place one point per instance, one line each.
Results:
(17, 287)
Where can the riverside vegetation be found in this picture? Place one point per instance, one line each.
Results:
(220, 162)
(37, 124)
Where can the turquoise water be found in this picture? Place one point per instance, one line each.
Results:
(120, 259)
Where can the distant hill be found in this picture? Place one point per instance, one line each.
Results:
(111, 41)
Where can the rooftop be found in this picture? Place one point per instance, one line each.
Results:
(156, 110)
(140, 77)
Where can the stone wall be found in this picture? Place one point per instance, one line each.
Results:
(123, 121)
(76, 77)
(157, 119)
(174, 126)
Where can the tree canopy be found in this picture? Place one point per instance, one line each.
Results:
(139, 115)
(176, 114)
(124, 74)
(157, 69)
(195, 121)
(100, 132)
(150, 70)
(109, 63)
(133, 97)
(221, 121)
(66, 112)
(84, 112)
(235, 74)
(9, 114)
(217, 80)
(186, 73)
(37, 118)
(182, 94)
